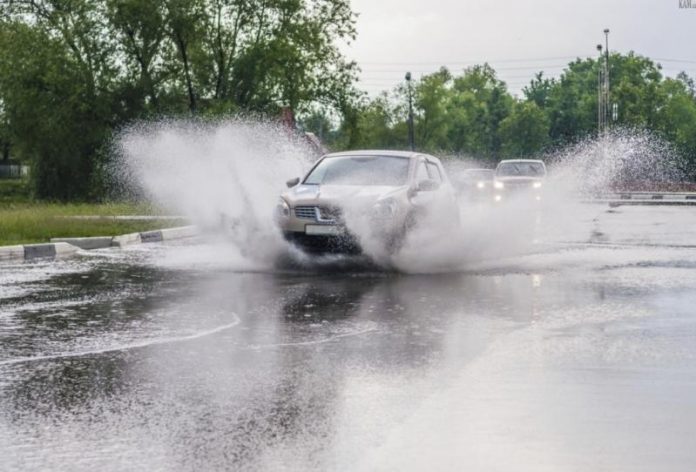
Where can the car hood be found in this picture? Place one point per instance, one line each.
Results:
(340, 195)
(521, 180)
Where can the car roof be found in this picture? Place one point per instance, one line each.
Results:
(521, 160)
(381, 152)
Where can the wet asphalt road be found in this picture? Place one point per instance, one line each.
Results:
(577, 356)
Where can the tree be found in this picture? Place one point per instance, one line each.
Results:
(378, 125)
(479, 103)
(139, 28)
(525, 131)
(57, 121)
(676, 121)
(432, 95)
(183, 26)
(5, 139)
(572, 102)
(319, 122)
(72, 71)
(635, 88)
(539, 89)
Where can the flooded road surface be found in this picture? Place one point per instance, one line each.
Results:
(577, 356)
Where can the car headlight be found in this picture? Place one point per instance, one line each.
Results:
(481, 185)
(499, 185)
(537, 185)
(283, 208)
(384, 209)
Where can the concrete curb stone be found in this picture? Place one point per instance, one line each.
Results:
(126, 240)
(52, 250)
(8, 253)
(98, 242)
(181, 232)
(151, 237)
(62, 247)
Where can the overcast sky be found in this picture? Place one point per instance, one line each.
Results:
(516, 37)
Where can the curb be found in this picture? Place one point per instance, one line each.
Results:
(179, 233)
(126, 240)
(64, 247)
(8, 253)
(98, 242)
(37, 251)
(647, 198)
(125, 218)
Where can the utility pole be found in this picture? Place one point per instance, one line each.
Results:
(603, 98)
(411, 139)
(607, 97)
(600, 93)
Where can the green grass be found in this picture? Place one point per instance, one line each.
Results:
(13, 191)
(24, 222)
(36, 223)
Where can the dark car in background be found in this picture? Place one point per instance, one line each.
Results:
(475, 184)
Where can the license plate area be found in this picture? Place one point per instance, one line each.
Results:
(323, 230)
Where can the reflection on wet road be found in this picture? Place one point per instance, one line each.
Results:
(577, 357)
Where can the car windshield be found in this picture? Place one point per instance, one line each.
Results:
(479, 174)
(360, 170)
(521, 169)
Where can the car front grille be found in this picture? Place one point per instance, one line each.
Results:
(306, 212)
(518, 186)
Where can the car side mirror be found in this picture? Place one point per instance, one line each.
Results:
(428, 185)
(292, 182)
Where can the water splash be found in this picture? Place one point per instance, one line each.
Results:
(220, 174)
(230, 173)
(624, 159)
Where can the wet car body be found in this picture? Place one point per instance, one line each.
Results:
(320, 212)
(519, 178)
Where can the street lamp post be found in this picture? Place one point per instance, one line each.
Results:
(613, 107)
(606, 74)
(603, 105)
(601, 116)
(411, 139)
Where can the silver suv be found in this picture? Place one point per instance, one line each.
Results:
(354, 198)
(519, 177)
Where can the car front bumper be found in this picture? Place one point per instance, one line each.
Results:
(342, 243)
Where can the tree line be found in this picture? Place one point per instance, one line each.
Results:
(474, 114)
(74, 72)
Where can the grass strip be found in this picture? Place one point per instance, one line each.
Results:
(26, 223)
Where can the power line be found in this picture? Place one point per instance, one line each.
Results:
(559, 58)
(494, 61)
(534, 67)
(686, 61)
(379, 79)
